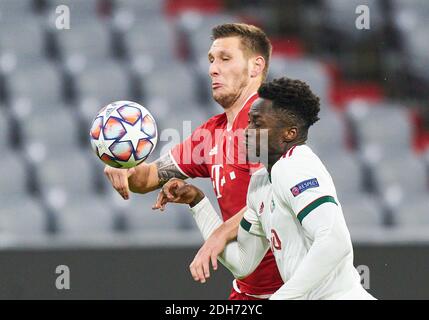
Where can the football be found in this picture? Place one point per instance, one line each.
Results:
(123, 134)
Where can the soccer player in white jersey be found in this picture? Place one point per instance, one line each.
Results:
(292, 204)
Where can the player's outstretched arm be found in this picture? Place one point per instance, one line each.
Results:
(241, 257)
(331, 244)
(215, 244)
(215, 240)
(144, 177)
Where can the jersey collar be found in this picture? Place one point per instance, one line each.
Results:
(250, 99)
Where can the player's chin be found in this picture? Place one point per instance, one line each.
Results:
(219, 94)
(216, 96)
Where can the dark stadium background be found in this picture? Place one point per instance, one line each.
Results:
(57, 208)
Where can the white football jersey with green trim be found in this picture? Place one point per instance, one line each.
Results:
(277, 206)
(265, 218)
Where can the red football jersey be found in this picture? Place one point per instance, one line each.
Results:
(217, 151)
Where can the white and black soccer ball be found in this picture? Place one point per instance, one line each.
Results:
(123, 134)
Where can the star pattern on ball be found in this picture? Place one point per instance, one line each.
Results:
(103, 146)
(133, 133)
(109, 112)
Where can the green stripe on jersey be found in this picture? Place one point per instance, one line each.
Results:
(304, 212)
(245, 224)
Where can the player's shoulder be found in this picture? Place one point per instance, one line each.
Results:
(297, 156)
(297, 161)
(258, 179)
(215, 122)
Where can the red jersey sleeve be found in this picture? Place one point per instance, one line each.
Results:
(190, 155)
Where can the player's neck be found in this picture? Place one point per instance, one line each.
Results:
(275, 156)
(272, 159)
(232, 111)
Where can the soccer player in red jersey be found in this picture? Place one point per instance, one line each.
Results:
(239, 58)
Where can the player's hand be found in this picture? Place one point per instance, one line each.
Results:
(212, 248)
(119, 179)
(178, 191)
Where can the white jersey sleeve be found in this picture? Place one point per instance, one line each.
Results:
(330, 245)
(302, 182)
(242, 256)
(251, 221)
(206, 217)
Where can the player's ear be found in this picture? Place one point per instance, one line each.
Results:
(258, 66)
(290, 134)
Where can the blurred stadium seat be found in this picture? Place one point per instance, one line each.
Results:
(78, 41)
(406, 170)
(350, 184)
(145, 8)
(410, 18)
(105, 80)
(80, 10)
(5, 137)
(20, 214)
(139, 216)
(311, 71)
(155, 86)
(411, 21)
(341, 15)
(51, 125)
(70, 173)
(24, 80)
(360, 208)
(196, 29)
(329, 134)
(68, 187)
(384, 126)
(361, 211)
(11, 9)
(139, 37)
(86, 216)
(14, 176)
(402, 180)
(24, 39)
(413, 211)
(22, 217)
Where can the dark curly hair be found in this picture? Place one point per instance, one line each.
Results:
(294, 99)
